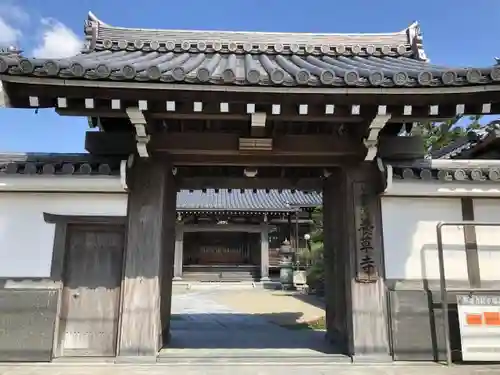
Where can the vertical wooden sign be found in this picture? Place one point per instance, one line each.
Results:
(364, 216)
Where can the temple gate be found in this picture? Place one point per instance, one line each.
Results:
(321, 112)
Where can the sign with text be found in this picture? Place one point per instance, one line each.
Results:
(366, 261)
(479, 319)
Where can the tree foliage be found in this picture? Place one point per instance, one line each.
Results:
(316, 270)
(441, 134)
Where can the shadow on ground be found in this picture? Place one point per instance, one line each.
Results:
(246, 331)
(311, 299)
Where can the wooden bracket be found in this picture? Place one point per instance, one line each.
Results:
(137, 118)
(377, 124)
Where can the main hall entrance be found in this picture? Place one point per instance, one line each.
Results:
(221, 255)
(221, 248)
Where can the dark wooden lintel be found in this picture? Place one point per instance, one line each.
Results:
(262, 160)
(196, 183)
(224, 147)
(228, 144)
(81, 219)
(341, 116)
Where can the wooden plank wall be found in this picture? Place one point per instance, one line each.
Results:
(150, 243)
(359, 316)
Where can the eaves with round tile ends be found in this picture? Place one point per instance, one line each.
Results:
(251, 59)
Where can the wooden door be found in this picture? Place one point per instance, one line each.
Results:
(91, 293)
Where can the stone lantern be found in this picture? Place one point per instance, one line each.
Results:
(286, 265)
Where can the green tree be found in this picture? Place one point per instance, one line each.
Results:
(441, 134)
(316, 270)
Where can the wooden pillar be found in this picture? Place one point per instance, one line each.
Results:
(147, 283)
(290, 229)
(355, 293)
(264, 252)
(179, 250)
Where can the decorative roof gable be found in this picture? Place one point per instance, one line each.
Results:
(251, 59)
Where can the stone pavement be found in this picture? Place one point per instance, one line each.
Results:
(244, 369)
(201, 326)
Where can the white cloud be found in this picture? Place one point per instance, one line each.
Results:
(9, 34)
(14, 13)
(57, 40)
(11, 18)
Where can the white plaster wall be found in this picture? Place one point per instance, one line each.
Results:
(410, 245)
(488, 238)
(26, 240)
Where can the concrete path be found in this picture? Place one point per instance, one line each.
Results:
(247, 369)
(202, 326)
(280, 307)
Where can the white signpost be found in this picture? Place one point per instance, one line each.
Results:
(479, 319)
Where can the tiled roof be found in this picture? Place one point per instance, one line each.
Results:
(460, 145)
(246, 200)
(101, 36)
(422, 171)
(249, 58)
(249, 69)
(464, 146)
(57, 164)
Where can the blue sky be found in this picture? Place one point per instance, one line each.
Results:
(456, 32)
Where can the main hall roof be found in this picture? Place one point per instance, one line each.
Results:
(246, 199)
(251, 59)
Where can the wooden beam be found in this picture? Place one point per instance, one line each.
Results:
(334, 118)
(262, 160)
(217, 144)
(228, 144)
(102, 143)
(196, 183)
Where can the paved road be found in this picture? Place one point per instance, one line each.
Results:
(228, 369)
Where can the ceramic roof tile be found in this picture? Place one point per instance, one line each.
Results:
(466, 144)
(477, 174)
(251, 69)
(251, 58)
(245, 200)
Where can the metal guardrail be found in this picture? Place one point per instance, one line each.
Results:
(442, 276)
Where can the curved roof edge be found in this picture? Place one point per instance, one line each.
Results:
(93, 18)
(100, 34)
